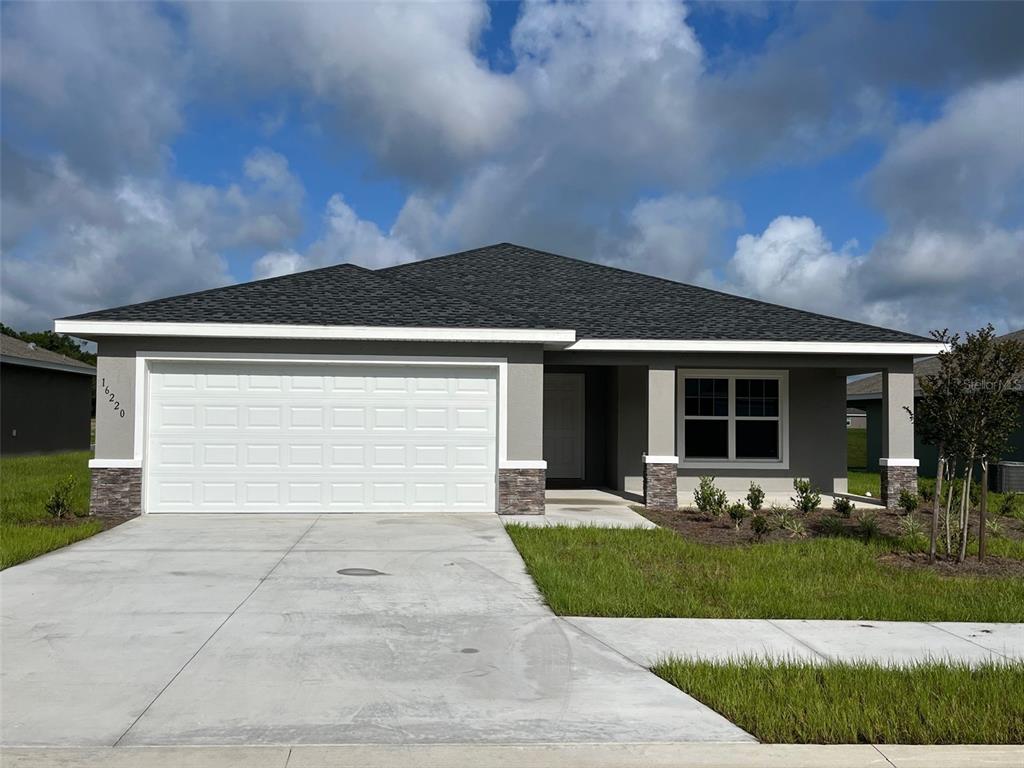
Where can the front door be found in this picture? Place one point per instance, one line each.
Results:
(563, 425)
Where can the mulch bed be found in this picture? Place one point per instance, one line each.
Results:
(721, 531)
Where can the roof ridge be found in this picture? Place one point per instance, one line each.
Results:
(633, 273)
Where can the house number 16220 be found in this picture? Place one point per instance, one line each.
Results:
(112, 398)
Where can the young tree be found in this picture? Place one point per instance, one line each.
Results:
(969, 409)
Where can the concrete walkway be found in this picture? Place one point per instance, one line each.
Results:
(526, 756)
(299, 630)
(646, 641)
(584, 507)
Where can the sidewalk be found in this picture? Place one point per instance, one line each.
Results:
(534, 756)
(646, 641)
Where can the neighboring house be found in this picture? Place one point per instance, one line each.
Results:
(866, 393)
(45, 400)
(856, 418)
(470, 382)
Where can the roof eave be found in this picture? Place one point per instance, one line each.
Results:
(913, 348)
(46, 364)
(92, 329)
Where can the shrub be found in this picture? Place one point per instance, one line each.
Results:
(755, 497)
(994, 528)
(832, 526)
(760, 526)
(908, 501)
(842, 506)
(738, 513)
(806, 498)
(709, 498)
(911, 532)
(867, 525)
(59, 503)
(926, 488)
(1009, 506)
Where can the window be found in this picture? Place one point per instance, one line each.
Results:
(733, 418)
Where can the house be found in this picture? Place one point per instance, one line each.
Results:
(866, 393)
(471, 382)
(856, 418)
(45, 400)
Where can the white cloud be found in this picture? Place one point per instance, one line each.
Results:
(138, 239)
(346, 238)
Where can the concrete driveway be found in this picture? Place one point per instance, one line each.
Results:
(241, 630)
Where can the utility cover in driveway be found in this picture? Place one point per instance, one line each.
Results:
(292, 437)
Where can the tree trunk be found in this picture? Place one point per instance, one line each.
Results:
(936, 502)
(983, 509)
(949, 505)
(965, 511)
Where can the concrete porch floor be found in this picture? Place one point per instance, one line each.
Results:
(587, 506)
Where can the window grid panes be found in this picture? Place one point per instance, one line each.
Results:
(732, 418)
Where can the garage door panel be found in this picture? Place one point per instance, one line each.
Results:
(343, 438)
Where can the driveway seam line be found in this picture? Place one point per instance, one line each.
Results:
(884, 756)
(215, 631)
(968, 640)
(808, 646)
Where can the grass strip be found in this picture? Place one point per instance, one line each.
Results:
(799, 703)
(589, 571)
(19, 543)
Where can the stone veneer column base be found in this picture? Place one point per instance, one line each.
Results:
(521, 491)
(660, 483)
(116, 493)
(896, 478)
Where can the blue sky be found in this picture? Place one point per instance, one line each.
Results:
(859, 160)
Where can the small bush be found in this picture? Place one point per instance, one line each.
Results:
(911, 532)
(1010, 505)
(737, 513)
(867, 525)
(842, 506)
(806, 498)
(709, 498)
(994, 528)
(832, 526)
(926, 489)
(760, 526)
(793, 525)
(908, 501)
(755, 497)
(59, 503)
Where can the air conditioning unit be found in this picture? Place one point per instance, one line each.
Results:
(1007, 476)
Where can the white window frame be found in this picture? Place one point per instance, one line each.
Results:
(732, 375)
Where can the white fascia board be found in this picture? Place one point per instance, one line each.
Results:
(797, 347)
(89, 328)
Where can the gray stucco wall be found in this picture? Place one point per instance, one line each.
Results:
(115, 435)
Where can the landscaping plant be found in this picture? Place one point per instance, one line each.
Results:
(968, 409)
(737, 513)
(59, 503)
(755, 497)
(806, 498)
(907, 502)
(760, 526)
(842, 506)
(711, 500)
(832, 526)
(911, 533)
(1010, 506)
(867, 525)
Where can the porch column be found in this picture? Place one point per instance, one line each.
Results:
(897, 465)
(522, 473)
(661, 465)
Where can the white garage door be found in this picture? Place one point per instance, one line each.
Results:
(272, 437)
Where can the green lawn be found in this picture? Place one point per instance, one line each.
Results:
(634, 572)
(25, 484)
(795, 702)
(862, 483)
(857, 448)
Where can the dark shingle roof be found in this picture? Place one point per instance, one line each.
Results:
(18, 352)
(340, 295)
(503, 286)
(602, 302)
(871, 386)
